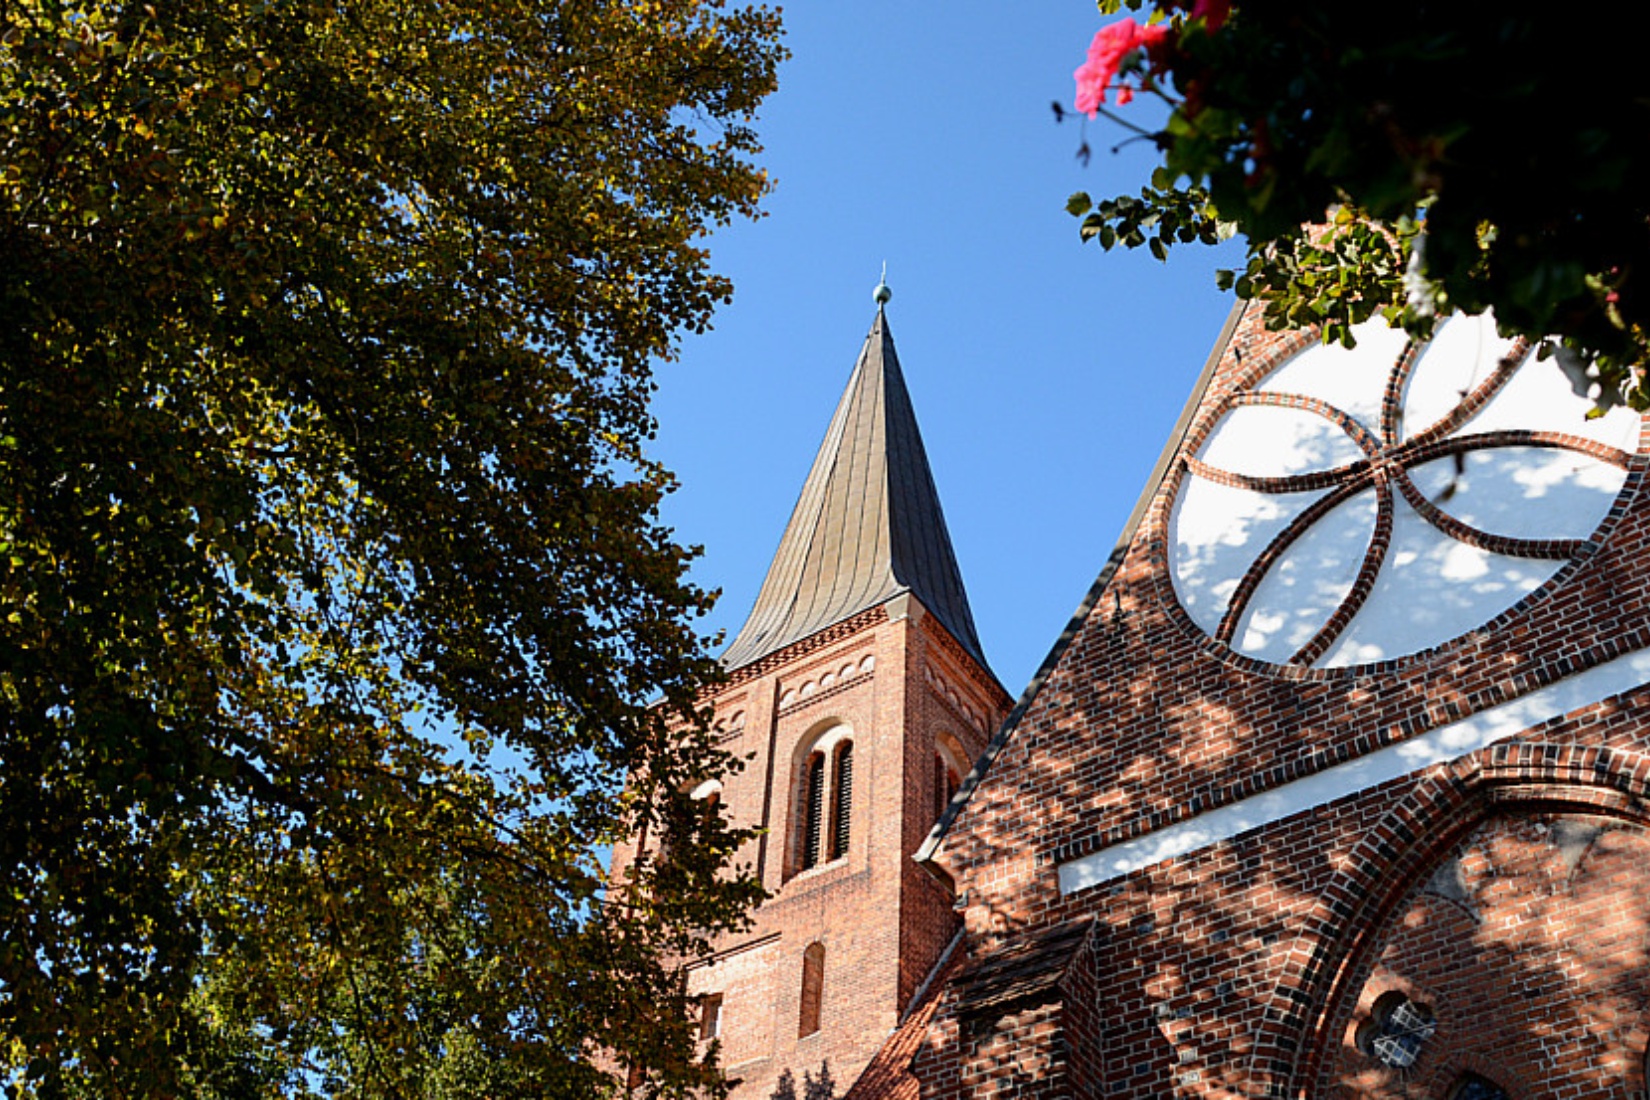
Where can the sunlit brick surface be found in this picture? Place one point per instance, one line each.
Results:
(1240, 969)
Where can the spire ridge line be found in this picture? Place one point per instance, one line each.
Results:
(867, 525)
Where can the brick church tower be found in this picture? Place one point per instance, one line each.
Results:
(859, 693)
(1338, 786)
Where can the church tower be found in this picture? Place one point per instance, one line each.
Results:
(859, 694)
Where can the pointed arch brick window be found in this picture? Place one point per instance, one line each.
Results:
(813, 989)
(945, 784)
(949, 766)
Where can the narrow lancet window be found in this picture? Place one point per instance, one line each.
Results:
(813, 826)
(843, 791)
(813, 989)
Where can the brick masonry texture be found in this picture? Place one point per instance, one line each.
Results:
(1504, 891)
(894, 682)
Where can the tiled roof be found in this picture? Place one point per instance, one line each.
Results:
(868, 525)
(889, 1076)
(1025, 970)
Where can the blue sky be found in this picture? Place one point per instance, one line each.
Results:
(1046, 374)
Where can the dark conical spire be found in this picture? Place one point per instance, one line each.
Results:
(867, 526)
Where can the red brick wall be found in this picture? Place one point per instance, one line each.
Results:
(882, 920)
(1528, 946)
(1236, 970)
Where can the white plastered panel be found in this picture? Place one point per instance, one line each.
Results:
(1430, 589)
(1307, 583)
(1353, 380)
(1216, 531)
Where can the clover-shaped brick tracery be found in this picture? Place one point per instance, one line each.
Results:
(1386, 460)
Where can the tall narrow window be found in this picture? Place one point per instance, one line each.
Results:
(945, 785)
(710, 1017)
(843, 798)
(939, 786)
(813, 826)
(822, 820)
(813, 989)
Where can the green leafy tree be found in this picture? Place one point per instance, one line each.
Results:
(1406, 161)
(332, 583)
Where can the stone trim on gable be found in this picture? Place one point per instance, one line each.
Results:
(1384, 467)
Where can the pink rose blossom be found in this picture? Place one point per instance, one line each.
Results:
(1111, 47)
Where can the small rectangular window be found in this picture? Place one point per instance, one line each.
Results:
(710, 1017)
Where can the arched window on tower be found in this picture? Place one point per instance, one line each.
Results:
(842, 789)
(813, 809)
(813, 989)
(706, 797)
(824, 801)
(945, 784)
(948, 770)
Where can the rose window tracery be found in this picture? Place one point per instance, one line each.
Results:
(1357, 505)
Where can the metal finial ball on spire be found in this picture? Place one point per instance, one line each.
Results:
(882, 293)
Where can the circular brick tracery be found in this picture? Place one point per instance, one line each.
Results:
(1385, 467)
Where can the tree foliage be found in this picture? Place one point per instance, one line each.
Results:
(1405, 161)
(332, 581)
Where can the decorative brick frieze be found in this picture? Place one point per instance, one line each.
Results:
(782, 657)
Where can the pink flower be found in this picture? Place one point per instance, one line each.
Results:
(1111, 47)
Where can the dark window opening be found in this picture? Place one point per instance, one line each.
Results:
(844, 792)
(813, 827)
(824, 823)
(1473, 1087)
(813, 989)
